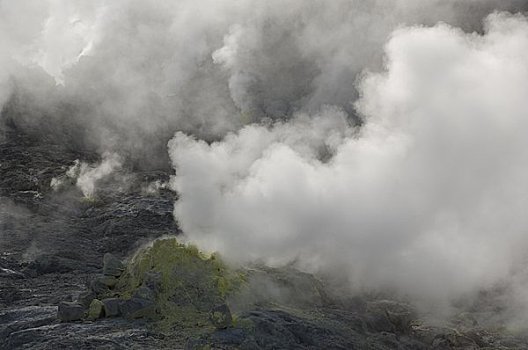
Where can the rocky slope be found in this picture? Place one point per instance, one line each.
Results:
(52, 244)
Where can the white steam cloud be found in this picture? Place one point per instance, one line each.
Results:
(427, 197)
(126, 74)
(409, 178)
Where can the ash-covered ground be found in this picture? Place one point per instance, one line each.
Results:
(53, 241)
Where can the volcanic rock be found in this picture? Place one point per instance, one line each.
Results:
(11, 274)
(109, 281)
(98, 287)
(85, 298)
(112, 266)
(220, 317)
(146, 293)
(137, 308)
(111, 307)
(70, 311)
(48, 263)
(96, 310)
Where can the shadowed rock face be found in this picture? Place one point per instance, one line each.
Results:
(53, 243)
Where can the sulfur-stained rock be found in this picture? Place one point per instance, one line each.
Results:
(183, 283)
(220, 317)
(96, 310)
(153, 281)
(109, 281)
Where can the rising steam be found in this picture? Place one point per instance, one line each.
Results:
(382, 140)
(426, 197)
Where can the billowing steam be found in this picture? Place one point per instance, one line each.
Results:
(124, 75)
(427, 196)
(383, 140)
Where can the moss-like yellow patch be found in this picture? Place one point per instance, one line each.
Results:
(191, 282)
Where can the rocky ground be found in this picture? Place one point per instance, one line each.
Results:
(52, 244)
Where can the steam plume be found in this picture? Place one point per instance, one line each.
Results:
(427, 197)
(382, 139)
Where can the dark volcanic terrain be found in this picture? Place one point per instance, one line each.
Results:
(52, 243)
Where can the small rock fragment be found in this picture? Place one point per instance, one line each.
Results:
(112, 266)
(70, 311)
(111, 307)
(220, 317)
(96, 310)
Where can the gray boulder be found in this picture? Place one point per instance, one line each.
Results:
(111, 307)
(112, 266)
(137, 308)
(70, 311)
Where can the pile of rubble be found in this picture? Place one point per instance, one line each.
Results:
(182, 290)
(101, 300)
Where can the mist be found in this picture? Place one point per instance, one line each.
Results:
(123, 76)
(380, 141)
